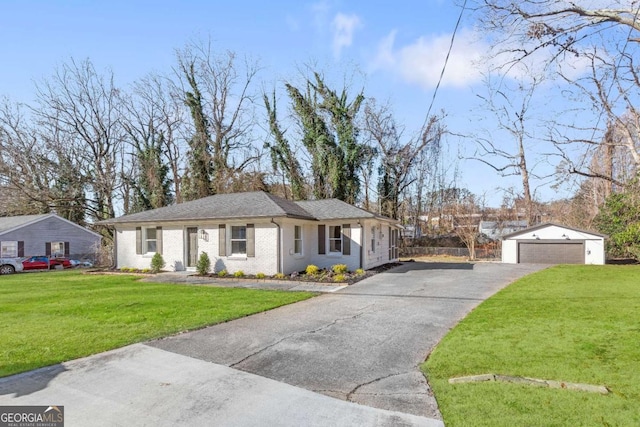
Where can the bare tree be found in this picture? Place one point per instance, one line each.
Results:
(397, 159)
(511, 107)
(80, 110)
(565, 38)
(217, 89)
(467, 217)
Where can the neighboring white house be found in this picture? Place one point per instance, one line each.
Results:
(553, 244)
(46, 234)
(256, 232)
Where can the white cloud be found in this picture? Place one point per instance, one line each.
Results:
(343, 27)
(421, 62)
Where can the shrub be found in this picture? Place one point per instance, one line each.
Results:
(238, 274)
(222, 273)
(312, 270)
(339, 278)
(124, 269)
(340, 268)
(145, 270)
(279, 276)
(157, 263)
(360, 272)
(260, 276)
(204, 264)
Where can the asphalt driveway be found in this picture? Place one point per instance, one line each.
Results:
(361, 344)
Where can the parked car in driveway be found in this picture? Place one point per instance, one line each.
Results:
(45, 263)
(10, 265)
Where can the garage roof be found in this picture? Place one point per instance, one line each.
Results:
(550, 224)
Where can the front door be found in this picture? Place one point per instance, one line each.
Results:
(192, 246)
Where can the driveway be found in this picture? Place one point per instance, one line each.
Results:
(361, 344)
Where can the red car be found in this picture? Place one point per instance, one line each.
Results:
(45, 263)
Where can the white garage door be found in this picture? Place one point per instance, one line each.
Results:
(551, 253)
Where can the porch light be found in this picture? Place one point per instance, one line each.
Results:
(203, 235)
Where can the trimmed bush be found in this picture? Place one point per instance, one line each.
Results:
(360, 272)
(157, 263)
(279, 276)
(260, 276)
(312, 270)
(222, 273)
(204, 264)
(339, 278)
(238, 274)
(340, 268)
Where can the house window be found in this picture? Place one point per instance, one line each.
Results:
(151, 240)
(297, 240)
(9, 249)
(57, 249)
(373, 239)
(238, 240)
(335, 239)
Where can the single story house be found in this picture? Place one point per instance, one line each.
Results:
(256, 232)
(553, 244)
(46, 234)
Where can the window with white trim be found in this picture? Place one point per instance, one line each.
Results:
(9, 249)
(238, 240)
(57, 249)
(150, 240)
(297, 240)
(335, 239)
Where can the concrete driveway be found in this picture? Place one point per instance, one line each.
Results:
(362, 344)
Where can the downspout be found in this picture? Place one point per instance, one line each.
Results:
(361, 245)
(279, 261)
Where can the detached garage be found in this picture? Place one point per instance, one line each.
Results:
(553, 244)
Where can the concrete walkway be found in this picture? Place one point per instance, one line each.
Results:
(140, 385)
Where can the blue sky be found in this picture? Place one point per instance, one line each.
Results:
(397, 48)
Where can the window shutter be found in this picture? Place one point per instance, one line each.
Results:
(139, 240)
(67, 251)
(159, 240)
(390, 244)
(321, 240)
(47, 249)
(21, 249)
(346, 239)
(222, 240)
(251, 240)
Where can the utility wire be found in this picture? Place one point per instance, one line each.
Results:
(444, 66)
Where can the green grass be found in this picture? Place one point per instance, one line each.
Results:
(570, 323)
(48, 318)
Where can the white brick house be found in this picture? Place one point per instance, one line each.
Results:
(256, 232)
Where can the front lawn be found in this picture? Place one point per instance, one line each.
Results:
(577, 324)
(48, 318)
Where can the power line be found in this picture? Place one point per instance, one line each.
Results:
(446, 61)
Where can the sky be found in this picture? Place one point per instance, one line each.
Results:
(396, 50)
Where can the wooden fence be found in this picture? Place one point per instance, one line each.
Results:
(481, 253)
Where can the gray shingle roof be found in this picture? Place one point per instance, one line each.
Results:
(248, 205)
(221, 206)
(10, 222)
(333, 209)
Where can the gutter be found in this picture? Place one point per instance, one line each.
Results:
(279, 260)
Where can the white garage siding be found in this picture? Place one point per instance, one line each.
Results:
(553, 244)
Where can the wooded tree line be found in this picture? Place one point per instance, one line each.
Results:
(89, 149)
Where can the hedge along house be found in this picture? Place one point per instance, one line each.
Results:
(553, 244)
(46, 234)
(256, 232)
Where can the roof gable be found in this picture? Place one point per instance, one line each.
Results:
(547, 225)
(12, 223)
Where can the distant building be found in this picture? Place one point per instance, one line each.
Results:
(494, 230)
